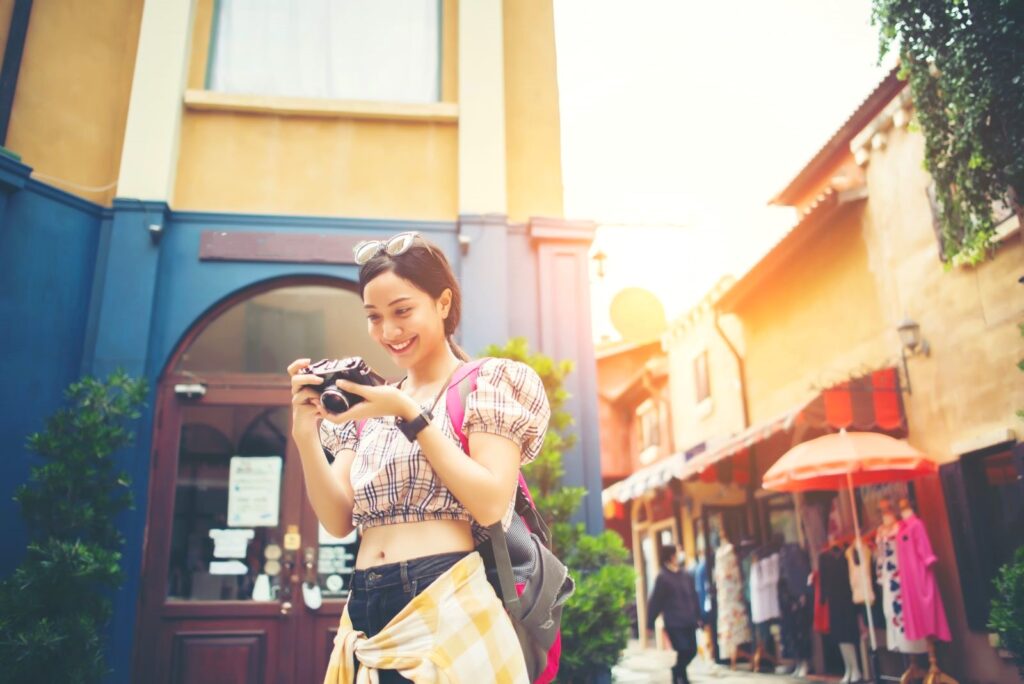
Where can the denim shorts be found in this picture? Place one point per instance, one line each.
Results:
(380, 593)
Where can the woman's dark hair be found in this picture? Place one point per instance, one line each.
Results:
(667, 554)
(425, 266)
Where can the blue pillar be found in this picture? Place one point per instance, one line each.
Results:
(484, 278)
(118, 336)
(13, 176)
(563, 274)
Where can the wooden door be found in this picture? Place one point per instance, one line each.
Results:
(230, 540)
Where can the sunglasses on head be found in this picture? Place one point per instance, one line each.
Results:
(399, 244)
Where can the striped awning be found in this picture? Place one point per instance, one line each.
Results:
(732, 446)
(650, 477)
(871, 402)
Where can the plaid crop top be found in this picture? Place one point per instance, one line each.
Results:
(391, 479)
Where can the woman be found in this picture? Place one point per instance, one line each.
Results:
(419, 593)
(675, 597)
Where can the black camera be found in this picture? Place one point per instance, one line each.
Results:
(353, 369)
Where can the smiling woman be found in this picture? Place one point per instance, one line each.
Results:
(401, 477)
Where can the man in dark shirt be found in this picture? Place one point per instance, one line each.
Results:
(675, 597)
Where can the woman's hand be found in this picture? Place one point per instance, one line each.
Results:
(382, 400)
(307, 411)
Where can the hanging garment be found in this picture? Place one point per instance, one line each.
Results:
(795, 568)
(835, 591)
(703, 585)
(764, 589)
(795, 601)
(821, 621)
(886, 565)
(924, 613)
(733, 624)
(860, 577)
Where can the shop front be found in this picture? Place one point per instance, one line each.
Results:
(740, 538)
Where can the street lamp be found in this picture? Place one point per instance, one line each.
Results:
(911, 343)
(599, 258)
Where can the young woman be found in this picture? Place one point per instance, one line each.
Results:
(419, 602)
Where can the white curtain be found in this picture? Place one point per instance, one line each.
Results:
(382, 50)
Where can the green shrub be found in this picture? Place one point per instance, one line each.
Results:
(54, 608)
(1007, 615)
(595, 621)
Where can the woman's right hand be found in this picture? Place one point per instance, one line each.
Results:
(306, 408)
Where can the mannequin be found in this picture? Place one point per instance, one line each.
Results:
(887, 569)
(924, 614)
(733, 623)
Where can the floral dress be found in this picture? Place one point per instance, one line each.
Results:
(887, 569)
(733, 622)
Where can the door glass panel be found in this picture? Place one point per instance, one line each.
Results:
(266, 332)
(336, 560)
(231, 461)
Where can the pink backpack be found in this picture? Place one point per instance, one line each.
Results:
(530, 580)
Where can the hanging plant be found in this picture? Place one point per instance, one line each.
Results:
(965, 65)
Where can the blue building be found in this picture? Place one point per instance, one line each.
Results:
(217, 248)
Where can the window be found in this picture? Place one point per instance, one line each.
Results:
(984, 493)
(649, 418)
(700, 376)
(379, 50)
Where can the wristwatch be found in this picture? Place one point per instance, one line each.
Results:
(411, 428)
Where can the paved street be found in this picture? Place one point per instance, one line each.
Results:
(643, 666)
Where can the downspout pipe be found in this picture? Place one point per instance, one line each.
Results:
(752, 519)
(12, 62)
(740, 368)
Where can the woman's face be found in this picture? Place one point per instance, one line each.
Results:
(404, 319)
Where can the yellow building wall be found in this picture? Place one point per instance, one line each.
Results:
(969, 385)
(722, 416)
(71, 102)
(817, 321)
(532, 128)
(267, 162)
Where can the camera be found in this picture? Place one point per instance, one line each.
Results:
(353, 369)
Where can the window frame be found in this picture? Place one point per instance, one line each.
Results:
(963, 484)
(211, 53)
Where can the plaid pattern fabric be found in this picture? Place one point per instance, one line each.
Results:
(391, 478)
(455, 631)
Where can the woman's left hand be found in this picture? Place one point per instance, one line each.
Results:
(382, 400)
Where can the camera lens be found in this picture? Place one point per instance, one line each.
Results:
(334, 401)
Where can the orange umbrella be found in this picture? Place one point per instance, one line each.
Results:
(839, 460)
(845, 460)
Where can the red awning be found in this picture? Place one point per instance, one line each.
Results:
(872, 402)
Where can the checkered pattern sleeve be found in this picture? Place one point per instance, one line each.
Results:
(335, 437)
(510, 401)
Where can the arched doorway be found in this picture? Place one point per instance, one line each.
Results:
(234, 557)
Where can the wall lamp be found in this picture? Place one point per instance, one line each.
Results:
(911, 344)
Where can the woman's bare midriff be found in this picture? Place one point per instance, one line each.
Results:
(404, 541)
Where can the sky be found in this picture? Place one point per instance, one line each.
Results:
(682, 119)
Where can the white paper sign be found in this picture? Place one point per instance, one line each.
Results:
(231, 543)
(254, 491)
(326, 538)
(230, 567)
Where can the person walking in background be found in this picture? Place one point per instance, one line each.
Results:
(675, 597)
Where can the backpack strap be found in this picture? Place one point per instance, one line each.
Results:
(458, 392)
(461, 386)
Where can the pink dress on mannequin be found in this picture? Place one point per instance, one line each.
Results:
(923, 613)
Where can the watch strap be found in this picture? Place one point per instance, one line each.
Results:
(411, 428)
